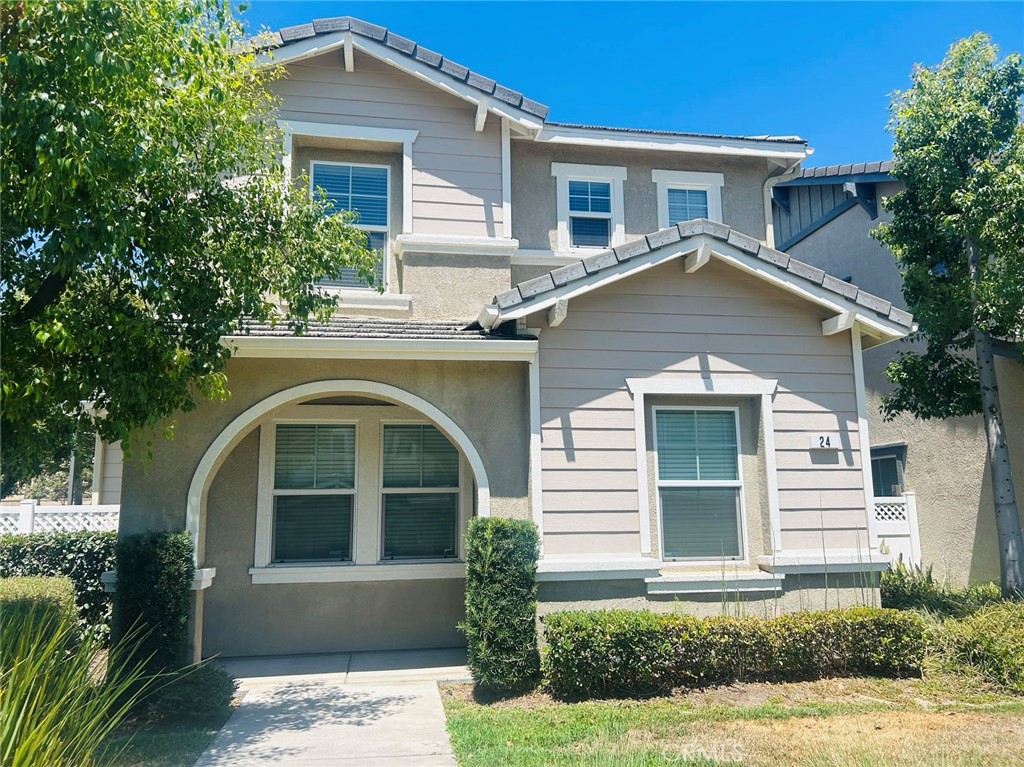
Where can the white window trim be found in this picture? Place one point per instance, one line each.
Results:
(265, 493)
(613, 174)
(354, 294)
(463, 507)
(406, 138)
(711, 183)
(764, 388)
(659, 483)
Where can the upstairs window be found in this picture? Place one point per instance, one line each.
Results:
(887, 471)
(362, 189)
(698, 480)
(590, 214)
(420, 494)
(314, 491)
(589, 206)
(686, 195)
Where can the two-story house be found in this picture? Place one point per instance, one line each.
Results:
(581, 326)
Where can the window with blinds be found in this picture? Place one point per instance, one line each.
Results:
(887, 471)
(590, 214)
(686, 205)
(699, 485)
(362, 189)
(420, 493)
(314, 490)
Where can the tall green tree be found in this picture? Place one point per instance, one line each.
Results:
(145, 212)
(957, 232)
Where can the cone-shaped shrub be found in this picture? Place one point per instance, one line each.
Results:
(501, 603)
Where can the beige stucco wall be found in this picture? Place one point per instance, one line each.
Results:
(534, 220)
(946, 464)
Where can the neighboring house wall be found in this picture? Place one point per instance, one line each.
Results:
(456, 179)
(111, 467)
(946, 460)
(715, 322)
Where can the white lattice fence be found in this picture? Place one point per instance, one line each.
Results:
(895, 527)
(33, 518)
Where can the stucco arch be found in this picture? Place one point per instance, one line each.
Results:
(235, 431)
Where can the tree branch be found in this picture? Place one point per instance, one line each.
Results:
(49, 291)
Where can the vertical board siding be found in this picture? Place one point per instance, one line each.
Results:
(666, 323)
(456, 178)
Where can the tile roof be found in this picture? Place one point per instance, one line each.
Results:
(404, 46)
(525, 292)
(366, 328)
(684, 134)
(855, 169)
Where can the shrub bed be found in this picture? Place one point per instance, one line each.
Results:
(46, 602)
(990, 642)
(914, 588)
(635, 653)
(82, 557)
(501, 603)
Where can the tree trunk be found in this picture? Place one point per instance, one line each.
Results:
(1008, 529)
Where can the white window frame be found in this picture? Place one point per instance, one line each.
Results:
(659, 483)
(614, 175)
(711, 183)
(266, 493)
(362, 227)
(463, 506)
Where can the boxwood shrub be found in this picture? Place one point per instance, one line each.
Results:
(45, 605)
(82, 557)
(501, 603)
(635, 653)
(154, 596)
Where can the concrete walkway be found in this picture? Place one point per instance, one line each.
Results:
(351, 710)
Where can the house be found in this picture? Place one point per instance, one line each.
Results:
(931, 478)
(581, 326)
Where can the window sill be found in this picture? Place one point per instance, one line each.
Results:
(738, 581)
(371, 299)
(357, 573)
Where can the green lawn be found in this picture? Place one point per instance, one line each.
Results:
(819, 724)
(158, 746)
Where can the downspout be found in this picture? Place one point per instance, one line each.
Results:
(789, 173)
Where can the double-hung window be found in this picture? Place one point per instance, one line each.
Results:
(590, 214)
(420, 494)
(314, 491)
(698, 481)
(887, 471)
(686, 195)
(363, 190)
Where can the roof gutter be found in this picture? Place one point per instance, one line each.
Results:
(788, 174)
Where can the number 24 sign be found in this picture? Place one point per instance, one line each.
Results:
(825, 442)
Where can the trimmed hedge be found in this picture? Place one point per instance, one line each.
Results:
(154, 596)
(48, 603)
(634, 653)
(501, 603)
(82, 557)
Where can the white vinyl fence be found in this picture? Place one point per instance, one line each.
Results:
(896, 527)
(31, 517)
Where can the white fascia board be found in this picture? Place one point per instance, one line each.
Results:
(713, 385)
(824, 561)
(398, 349)
(553, 134)
(871, 322)
(304, 347)
(355, 132)
(611, 569)
(451, 244)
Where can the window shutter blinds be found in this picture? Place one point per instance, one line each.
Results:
(590, 232)
(421, 525)
(700, 522)
(312, 528)
(686, 205)
(697, 445)
(365, 192)
(315, 456)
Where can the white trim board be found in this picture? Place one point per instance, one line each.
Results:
(610, 569)
(305, 347)
(453, 244)
(346, 573)
(764, 388)
(716, 583)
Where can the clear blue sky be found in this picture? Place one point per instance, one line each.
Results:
(823, 71)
